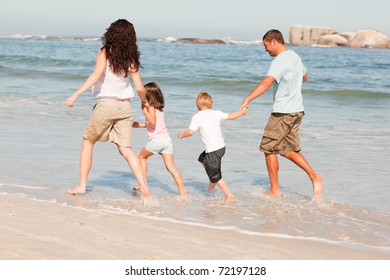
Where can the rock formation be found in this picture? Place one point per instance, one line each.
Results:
(307, 35)
(325, 36)
(332, 40)
(369, 38)
(200, 41)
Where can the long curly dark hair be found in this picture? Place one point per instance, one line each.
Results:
(120, 42)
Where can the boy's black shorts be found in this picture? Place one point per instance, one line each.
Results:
(212, 163)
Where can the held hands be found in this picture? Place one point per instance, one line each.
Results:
(144, 104)
(244, 109)
(245, 104)
(138, 125)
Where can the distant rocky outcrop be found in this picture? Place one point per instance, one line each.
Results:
(308, 35)
(369, 38)
(325, 36)
(332, 40)
(200, 41)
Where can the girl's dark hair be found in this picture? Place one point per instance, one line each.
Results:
(120, 43)
(154, 96)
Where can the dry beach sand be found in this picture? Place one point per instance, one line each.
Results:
(35, 230)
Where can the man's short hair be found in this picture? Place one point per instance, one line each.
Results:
(274, 34)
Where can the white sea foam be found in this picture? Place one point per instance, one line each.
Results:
(242, 42)
(167, 40)
(23, 186)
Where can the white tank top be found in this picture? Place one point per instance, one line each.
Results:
(112, 86)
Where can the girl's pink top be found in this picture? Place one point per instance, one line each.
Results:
(159, 130)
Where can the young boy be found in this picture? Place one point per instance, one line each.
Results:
(208, 121)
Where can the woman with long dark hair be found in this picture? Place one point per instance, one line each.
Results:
(111, 118)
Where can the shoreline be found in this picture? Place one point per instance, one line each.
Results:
(37, 230)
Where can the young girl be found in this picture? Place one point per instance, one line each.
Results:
(159, 139)
(111, 117)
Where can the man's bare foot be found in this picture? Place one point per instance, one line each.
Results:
(137, 188)
(229, 200)
(274, 193)
(317, 186)
(77, 190)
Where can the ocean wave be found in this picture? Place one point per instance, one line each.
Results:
(349, 93)
(43, 37)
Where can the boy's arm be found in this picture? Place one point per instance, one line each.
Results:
(237, 114)
(185, 133)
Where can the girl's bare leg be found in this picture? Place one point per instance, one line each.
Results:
(169, 164)
(143, 156)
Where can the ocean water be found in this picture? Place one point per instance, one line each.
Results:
(345, 136)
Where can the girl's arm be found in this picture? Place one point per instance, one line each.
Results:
(101, 61)
(150, 114)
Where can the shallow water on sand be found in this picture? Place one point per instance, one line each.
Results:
(344, 136)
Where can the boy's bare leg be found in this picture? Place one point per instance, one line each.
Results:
(170, 165)
(224, 188)
(272, 163)
(143, 156)
(85, 167)
(315, 178)
(135, 165)
(211, 186)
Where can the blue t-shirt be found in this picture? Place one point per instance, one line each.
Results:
(288, 70)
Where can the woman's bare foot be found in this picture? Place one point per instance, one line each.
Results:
(77, 190)
(146, 194)
(137, 188)
(183, 193)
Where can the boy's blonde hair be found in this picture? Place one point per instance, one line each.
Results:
(204, 100)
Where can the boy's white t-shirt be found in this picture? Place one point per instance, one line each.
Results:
(209, 124)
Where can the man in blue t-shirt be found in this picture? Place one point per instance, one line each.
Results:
(281, 134)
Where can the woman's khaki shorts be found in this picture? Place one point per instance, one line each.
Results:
(111, 120)
(281, 134)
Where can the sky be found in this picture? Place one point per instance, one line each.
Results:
(213, 19)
